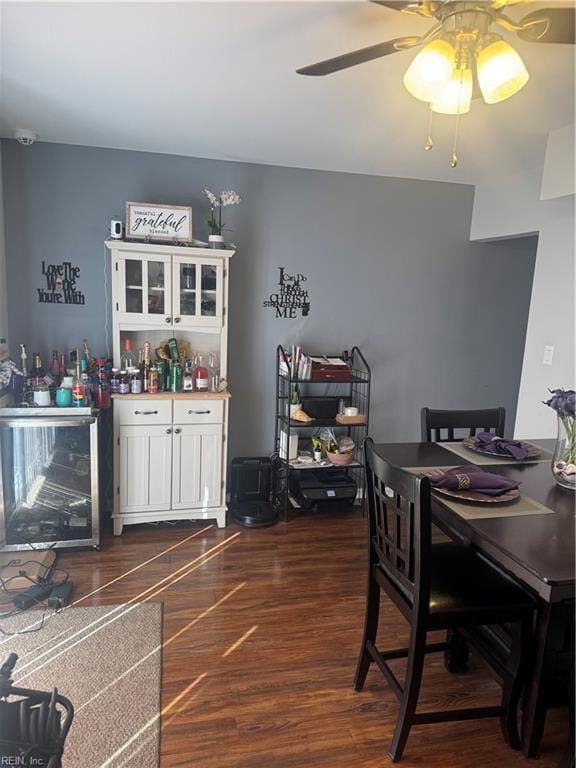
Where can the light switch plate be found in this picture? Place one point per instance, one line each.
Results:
(548, 355)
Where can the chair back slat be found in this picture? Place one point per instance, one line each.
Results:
(441, 426)
(400, 525)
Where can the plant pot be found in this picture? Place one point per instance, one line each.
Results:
(564, 460)
(216, 241)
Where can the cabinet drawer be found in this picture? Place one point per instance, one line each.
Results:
(207, 411)
(133, 412)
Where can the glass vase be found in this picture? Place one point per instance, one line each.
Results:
(564, 460)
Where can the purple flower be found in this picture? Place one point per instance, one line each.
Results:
(563, 401)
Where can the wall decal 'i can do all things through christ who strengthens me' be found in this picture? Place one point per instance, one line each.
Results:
(61, 285)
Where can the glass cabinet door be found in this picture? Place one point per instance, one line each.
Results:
(145, 289)
(209, 282)
(187, 289)
(197, 291)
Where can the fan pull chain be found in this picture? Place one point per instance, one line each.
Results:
(428, 144)
(454, 158)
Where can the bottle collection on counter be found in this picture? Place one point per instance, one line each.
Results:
(83, 381)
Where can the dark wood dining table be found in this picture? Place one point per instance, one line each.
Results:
(536, 549)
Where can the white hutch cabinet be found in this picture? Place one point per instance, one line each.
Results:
(170, 448)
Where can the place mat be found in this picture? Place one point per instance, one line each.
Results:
(524, 506)
(473, 457)
(425, 470)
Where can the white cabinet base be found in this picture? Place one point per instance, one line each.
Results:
(170, 449)
(211, 513)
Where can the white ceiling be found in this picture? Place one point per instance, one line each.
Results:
(217, 79)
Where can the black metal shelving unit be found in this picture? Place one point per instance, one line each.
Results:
(355, 391)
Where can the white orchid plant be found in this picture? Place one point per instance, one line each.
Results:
(217, 203)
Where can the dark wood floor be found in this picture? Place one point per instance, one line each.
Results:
(261, 634)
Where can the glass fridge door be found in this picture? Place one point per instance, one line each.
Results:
(49, 482)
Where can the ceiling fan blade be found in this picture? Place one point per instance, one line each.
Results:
(420, 7)
(359, 57)
(549, 25)
(396, 6)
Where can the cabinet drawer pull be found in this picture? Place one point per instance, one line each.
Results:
(198, 412)
(145, 413)
(177, 431)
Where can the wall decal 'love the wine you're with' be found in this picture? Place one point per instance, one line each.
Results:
(61, 285)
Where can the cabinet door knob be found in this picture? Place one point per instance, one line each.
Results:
(177, 431)
(168, 320)
(168, 431)
(176, 319)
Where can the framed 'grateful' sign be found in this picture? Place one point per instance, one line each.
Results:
(154, 221)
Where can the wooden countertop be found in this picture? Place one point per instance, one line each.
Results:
(175, 396)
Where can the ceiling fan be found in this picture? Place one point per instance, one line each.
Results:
(464, 56)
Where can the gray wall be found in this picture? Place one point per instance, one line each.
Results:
(389, 265)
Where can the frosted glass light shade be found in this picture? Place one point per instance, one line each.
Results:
(456, 96)
(501, 72)
(430, 70)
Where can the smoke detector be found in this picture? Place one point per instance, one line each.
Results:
(25, 137)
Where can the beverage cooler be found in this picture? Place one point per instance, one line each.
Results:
(48, 478)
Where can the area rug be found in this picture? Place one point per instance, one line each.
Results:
(107, 661)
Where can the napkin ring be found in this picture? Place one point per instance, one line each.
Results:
(463, 482)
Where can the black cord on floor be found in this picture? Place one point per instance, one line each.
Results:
(19, 611)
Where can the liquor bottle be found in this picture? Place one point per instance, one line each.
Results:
(135, 378)
(213, 372)
(55, 369)
(87, 355)
(102, 394)
(174, 351)
(63, 370)
(85, 380)
(153, 381)
(188, 377)
(37, 373)
(78, 391)
(74, 356)
(100, 385)
(145, 368)
(175, 377)
(24, 361)
(127, 359)
(200, 377)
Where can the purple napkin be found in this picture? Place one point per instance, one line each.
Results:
(500, 446)
(471, 478)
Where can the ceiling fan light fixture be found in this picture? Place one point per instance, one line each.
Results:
(456, 96)
(501, 71)
(430, 70)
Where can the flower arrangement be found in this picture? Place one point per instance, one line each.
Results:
(217, 203)
(563, 401)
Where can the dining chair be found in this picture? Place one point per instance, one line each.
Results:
(436, 587)
(433, 423)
